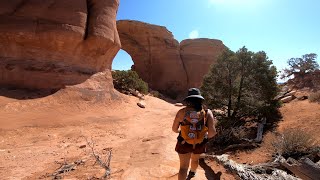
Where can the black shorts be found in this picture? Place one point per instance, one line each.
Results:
(184, 148)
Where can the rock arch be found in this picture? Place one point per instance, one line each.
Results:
(57, 43)
(167, 65)
(156, 55)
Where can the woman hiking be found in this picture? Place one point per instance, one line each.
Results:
(195, 125)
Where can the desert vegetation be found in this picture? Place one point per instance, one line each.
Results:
(306, 64)
(315, 97)
(242, 85)
(303, 72)
(128, 81)
(294, 143)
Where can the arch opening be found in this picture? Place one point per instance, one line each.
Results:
(122, 61)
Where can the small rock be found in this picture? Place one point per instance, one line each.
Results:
(82, 146)
(302, 98)
(178, 104)
(287, 99)
(291, 93)
(141, 104)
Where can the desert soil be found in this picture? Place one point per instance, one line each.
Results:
(38, 136)
(297, 114)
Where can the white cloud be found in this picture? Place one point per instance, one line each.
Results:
(194, 34)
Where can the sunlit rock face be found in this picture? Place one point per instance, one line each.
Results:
(52, 43)
(197, 56)
(156, 55)
(167, 65)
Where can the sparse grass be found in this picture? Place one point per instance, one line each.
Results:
(293, 143)
(315, 97)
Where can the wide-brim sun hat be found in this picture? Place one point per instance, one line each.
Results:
(194, 93)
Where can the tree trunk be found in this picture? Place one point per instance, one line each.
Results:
(304, 169)
(230, 96)
(260, 129)
(239, 93)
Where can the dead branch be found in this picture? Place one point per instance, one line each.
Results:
(103, 162)
(65, 167)
(257, 172)
(260, 130)
(304, 168)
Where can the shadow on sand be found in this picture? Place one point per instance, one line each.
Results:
(209, 173)
(25, 94)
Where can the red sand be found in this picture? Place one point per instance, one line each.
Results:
(37, 135)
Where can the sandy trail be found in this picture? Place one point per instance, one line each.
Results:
(33, 142)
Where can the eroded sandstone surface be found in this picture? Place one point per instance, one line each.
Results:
(167, 65)
(56, 43)
(52, 43)
(197, 56)
(156, 55)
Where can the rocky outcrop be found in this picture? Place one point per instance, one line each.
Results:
(197, 56)
(305, 80)
(53, 43)
(167, 65)
(155, 54)
(56, 43)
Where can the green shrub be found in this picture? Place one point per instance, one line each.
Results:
(244, 82)
(315, 97)
(293, 143)
(124, 81)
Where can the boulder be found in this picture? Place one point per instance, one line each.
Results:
(291, 93)
(287, 99)
(54, 43)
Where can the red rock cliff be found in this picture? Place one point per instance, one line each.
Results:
(53, 43)
(161, 61)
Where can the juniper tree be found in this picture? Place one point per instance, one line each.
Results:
(242, 82)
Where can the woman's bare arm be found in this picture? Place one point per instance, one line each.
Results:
(211, 124)
(176, 122)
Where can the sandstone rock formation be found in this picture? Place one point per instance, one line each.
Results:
(160, 60)
(197, 56)
(155, 54)
(56, 43)
(52, 43)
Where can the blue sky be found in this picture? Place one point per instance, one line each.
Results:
(281, 28)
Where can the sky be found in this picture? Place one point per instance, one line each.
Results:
(282, 28)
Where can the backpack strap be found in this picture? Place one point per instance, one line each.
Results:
(205, 117)
(205, 114)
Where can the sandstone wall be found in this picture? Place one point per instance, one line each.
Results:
(156, 55)
(48, 44)
(167, 65)
(197, 56)
(53, 43)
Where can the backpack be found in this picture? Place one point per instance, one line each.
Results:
(194, 127)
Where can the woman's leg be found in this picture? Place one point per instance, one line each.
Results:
(184, 165)
(194, 162)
